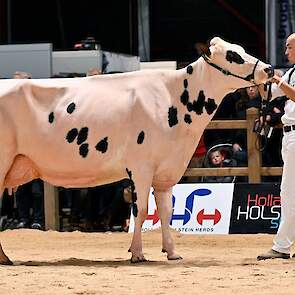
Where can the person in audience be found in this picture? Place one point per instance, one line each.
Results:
(30, 196)
(217, 159)
(197, 160)
(22, 75)
(93, 72)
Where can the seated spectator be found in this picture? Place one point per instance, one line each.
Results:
(93, 72)
(22, 75)
(30, 196)
(106, 208)
(223, 155)
(249, 97)
(8, 214)
(196, 161)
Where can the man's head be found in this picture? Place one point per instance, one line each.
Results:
(290, 48)
(22, 75)
(252, 91)
(93, 72)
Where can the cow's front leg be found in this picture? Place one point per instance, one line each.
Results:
(4, 260)
(164, 205)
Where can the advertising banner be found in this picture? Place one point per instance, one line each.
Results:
(197, 209)
(280, 23)
(256, 208)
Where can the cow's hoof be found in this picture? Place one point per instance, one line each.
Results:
(138, 259)
(6, 262)
(174, 257)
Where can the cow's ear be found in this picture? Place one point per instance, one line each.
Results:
(203, 49)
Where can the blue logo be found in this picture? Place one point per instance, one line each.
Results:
(189, 204)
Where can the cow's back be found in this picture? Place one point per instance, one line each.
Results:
(82, 131)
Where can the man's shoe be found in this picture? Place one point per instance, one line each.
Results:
(272, 254)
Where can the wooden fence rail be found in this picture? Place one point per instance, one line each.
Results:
(254, 171)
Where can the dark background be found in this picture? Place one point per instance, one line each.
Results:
(175, 25)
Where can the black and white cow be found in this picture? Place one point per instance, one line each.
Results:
(144, 125)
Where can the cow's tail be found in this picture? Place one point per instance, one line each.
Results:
(133, 194)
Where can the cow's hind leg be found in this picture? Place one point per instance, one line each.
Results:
(4, 260)
(164, 204)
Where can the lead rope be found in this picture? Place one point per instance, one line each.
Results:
(264, 101)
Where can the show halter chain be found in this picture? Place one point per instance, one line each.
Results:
(265, 99)
(249, 78)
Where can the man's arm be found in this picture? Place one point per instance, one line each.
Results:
(288, 90)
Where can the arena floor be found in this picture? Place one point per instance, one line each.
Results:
(98, 263)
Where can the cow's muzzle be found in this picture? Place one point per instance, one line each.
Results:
(269, 71)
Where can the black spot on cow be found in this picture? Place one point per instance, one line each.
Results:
(172, 116)
(232, 56)
(189, 69)
(83, 150)
(185, 83)
(189, 106)
(198, 104)
(210, 106)
(187, 118)
(184, 98)
(140, 137)
(102, 146)
(83, 134)
(51, 117)
(71, 107)
(72, 134)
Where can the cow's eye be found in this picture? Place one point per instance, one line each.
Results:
(233, 56)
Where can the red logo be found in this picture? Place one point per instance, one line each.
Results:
(155, 218)
(215, 217)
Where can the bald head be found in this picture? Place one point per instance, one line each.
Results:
(290, 48)
(291, 38)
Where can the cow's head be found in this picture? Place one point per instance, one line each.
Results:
(233, 61)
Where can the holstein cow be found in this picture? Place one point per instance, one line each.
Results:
(143, 125)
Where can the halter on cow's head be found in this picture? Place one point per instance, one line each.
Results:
(232, 60)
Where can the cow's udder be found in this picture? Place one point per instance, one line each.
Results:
(21, 171)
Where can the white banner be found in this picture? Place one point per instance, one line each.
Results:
(197, 209)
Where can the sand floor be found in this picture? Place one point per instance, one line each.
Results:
(98, 263)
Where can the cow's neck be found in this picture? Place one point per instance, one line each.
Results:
(211, 81)
(198, 79)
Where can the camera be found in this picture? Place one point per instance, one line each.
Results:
(262, 128)
(258, 126)
(87, 44)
